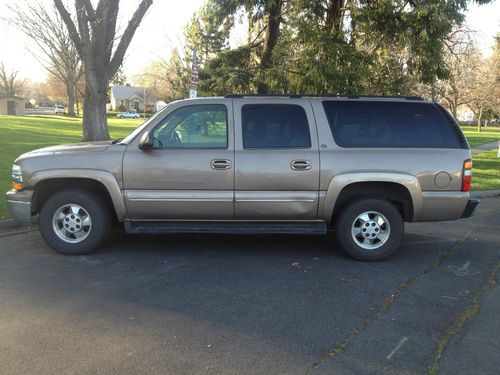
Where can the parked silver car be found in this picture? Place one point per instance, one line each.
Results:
(361, 166)
(128, 115)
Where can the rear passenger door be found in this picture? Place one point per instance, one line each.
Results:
(276, 160)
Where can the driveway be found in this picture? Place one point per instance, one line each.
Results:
(254, 305)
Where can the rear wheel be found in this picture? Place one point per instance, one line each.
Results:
(370, 229)
(75, 221)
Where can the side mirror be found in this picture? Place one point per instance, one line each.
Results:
(146, 142)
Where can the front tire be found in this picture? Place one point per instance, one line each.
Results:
(75, 221)
(370, 229)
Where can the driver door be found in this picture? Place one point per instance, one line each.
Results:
(189, 174)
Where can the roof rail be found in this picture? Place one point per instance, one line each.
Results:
(236, 96)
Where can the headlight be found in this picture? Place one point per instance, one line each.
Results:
(17, 178)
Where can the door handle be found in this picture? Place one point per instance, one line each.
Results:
(303, 165)
(220, 164)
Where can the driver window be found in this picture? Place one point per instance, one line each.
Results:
(195, 126)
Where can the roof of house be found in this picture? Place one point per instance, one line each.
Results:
(127, 92)
(11, 96)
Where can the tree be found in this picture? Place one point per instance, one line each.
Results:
(481, 94)
(334, 46)
(58, 55)
(10, 84)
(94, 36)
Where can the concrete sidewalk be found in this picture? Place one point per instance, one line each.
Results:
(484, 147)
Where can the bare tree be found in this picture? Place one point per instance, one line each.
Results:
(94, 36)
(10, 84)
(46, 28)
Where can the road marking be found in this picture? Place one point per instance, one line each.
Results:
(401, 343)
(464, 270)
(449, 297)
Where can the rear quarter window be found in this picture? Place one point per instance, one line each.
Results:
(389, 124)
(274, 126)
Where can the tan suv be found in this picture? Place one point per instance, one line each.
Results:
(256, 164)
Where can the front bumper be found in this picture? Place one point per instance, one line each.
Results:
(19, 205)
(469, 209)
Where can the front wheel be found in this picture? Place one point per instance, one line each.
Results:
(75, 221)
(370, 229)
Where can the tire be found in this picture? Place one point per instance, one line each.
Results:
(84, 213)
(361, 226)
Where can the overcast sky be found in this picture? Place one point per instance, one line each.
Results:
(162, 29)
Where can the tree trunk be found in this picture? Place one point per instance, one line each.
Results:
(334, 15)
(70, 93)
(270, 40)
(95, 125)
(479, 121)
(77, 102)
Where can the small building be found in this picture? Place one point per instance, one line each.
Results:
(160, 104)
(131, 98)
(12, 105)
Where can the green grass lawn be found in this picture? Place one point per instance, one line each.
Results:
(21, 134)
(487, 135)
(486, 171)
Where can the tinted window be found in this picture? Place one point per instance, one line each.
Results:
(195, 126)
(389, 124)
(274, 126)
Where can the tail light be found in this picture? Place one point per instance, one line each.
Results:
(467, 175)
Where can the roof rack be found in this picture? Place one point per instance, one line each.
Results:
(236, 96)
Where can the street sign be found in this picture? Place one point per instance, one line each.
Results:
(193, 84)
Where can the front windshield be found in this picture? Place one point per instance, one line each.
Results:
(134, 134)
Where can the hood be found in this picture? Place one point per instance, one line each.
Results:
(82, 147)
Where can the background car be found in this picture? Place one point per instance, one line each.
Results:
(128, 115)
(59, 110)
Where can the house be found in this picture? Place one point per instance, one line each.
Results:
(11, 105)
(131, 98)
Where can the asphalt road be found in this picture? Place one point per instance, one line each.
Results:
(255, 305)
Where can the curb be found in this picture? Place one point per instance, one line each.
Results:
(10, 227)
(484, 193)
(7, 224)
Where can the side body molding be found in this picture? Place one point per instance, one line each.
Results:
(340, 181)
(105, 178)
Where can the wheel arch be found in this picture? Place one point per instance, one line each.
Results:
(401, 189)
(46, 183)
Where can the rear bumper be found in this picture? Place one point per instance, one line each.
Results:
(469, 209)
(19, 205)
(442, 205)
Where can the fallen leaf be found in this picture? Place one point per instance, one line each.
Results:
(350, 280)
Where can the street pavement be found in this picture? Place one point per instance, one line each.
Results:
(210, 304)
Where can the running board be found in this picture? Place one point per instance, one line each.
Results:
(163, 227)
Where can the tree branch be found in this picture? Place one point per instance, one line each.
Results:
(73, 33)
(127, 36)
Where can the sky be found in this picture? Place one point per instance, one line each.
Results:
(162, 27)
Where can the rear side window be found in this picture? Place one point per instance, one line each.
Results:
(275, 126)
(389, 124)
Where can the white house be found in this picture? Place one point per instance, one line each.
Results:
(131, 98)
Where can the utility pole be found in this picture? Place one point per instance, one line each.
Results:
(145, 102)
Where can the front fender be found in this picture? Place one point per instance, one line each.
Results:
(339, 182)
(107, 179)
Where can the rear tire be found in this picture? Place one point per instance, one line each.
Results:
(75, 221)
(369, 229)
